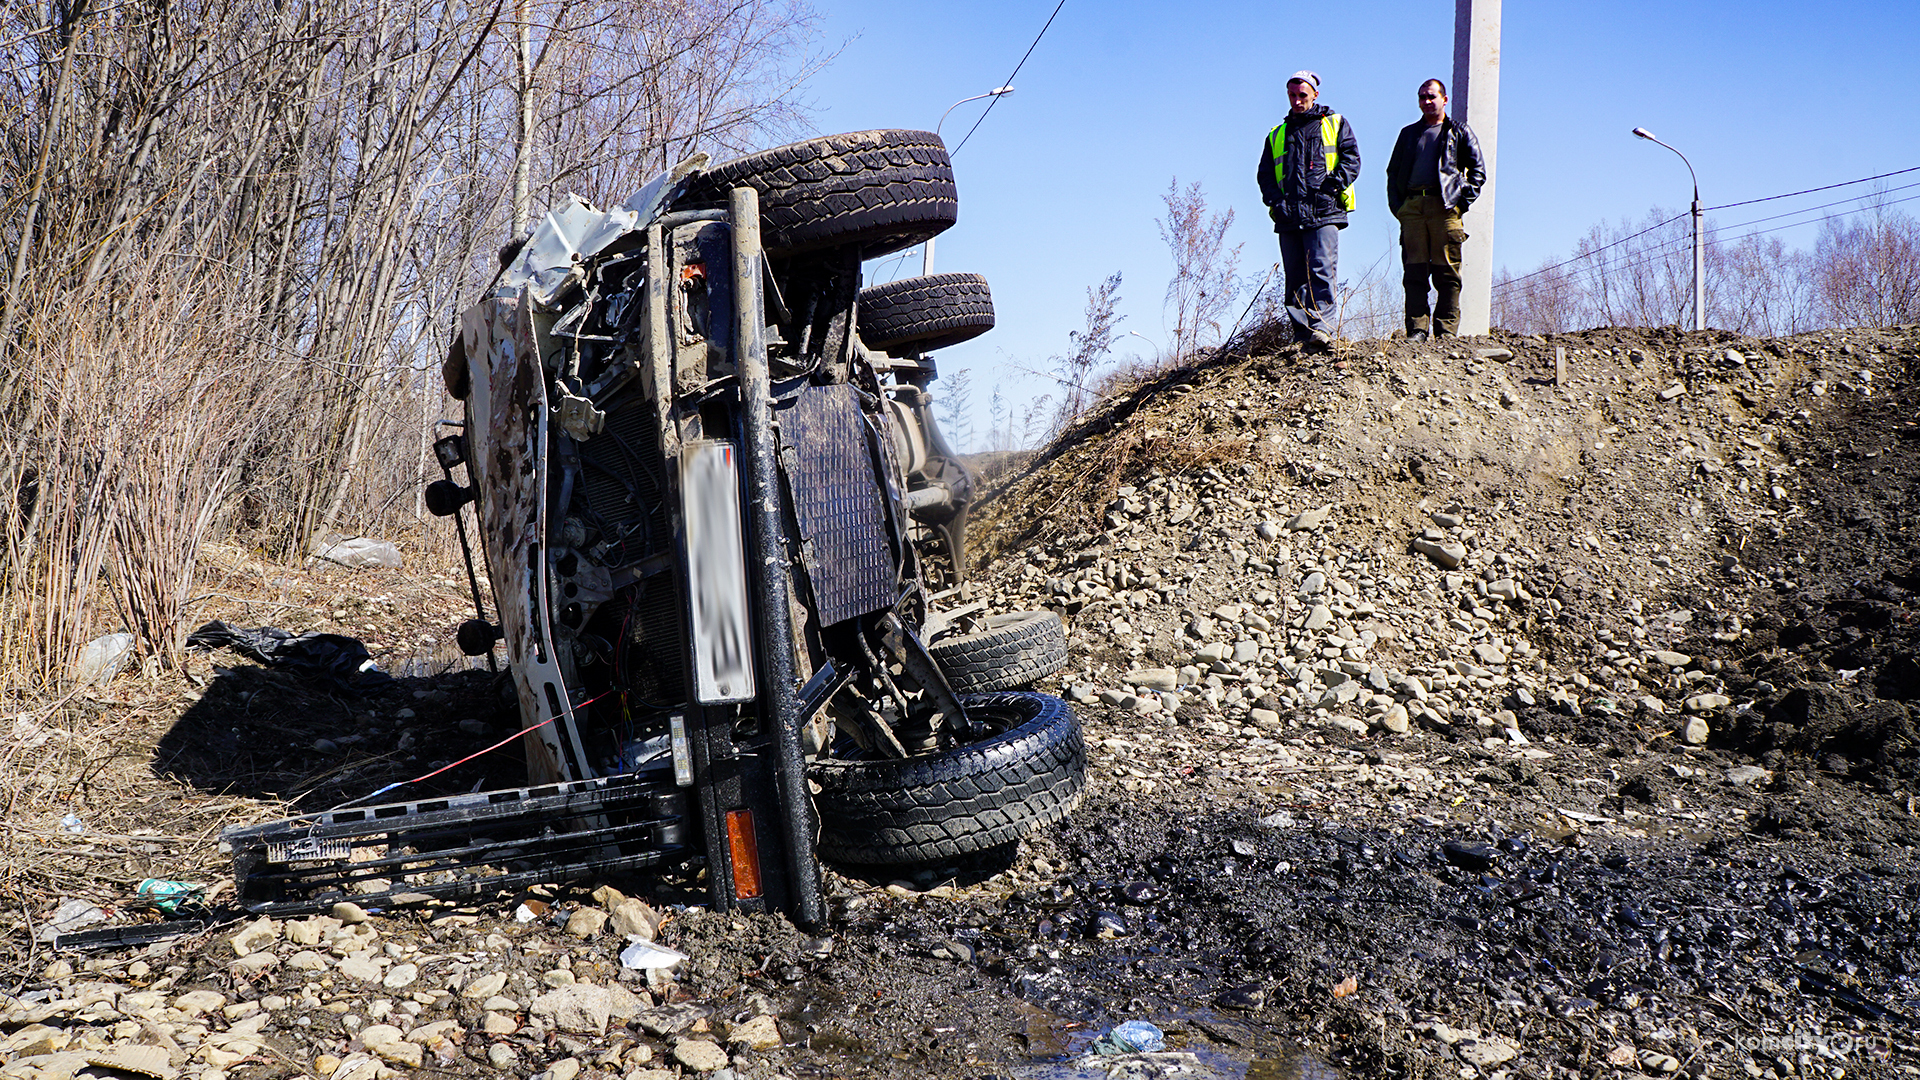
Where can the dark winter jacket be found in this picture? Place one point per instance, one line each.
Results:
(1463, 172)
(1307, 197)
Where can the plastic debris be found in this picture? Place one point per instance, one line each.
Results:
(646, 956)
(1132, 1037)
(168, 896)
(71, 915)
(356, 552)
(72, 823)
(102, 659)
(341, 658)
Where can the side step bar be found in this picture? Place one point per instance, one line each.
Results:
(463, 845)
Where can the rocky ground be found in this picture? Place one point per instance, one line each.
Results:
(1497, 707)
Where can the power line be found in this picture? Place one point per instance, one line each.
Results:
(1809, 191)
(1727, 206)
(1632, 260)
(995, 100)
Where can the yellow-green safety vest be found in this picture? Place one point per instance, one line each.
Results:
(1329, 142)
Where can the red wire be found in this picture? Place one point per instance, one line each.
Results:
(497, 745)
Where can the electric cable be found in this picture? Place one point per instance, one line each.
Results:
(1728, 206)
(995, 100)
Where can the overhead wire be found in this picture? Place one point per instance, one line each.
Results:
(1638, 258)
(1633, 260)
(995, 100)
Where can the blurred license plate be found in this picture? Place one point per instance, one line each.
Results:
(717, 571)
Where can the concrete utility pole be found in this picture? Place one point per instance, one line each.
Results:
(1476, 102)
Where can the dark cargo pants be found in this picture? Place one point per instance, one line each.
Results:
(1310, 260)
(1430, 239)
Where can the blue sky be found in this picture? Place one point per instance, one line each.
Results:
(1061, 185)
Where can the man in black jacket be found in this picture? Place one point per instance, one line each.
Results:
(1307, 169)
(1434, 175)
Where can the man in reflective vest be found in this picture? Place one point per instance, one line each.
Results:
(1307, 169)
(1435, 173)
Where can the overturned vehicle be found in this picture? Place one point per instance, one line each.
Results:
(725, 544)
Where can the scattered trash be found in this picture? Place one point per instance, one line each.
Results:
(1132, 1037)
(102, 659)
(646, 956)
(356, 552)
(168, 896)
(72, 823)
(341, 658)
(69, 916)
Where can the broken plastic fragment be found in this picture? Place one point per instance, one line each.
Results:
(646, 956)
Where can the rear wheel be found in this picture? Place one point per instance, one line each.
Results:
(921, 314)
(877, 191)
(1027, 772)
(1012, 651)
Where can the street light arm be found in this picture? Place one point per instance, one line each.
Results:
(995, 92)
(1648, 135)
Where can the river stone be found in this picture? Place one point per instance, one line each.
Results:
(586, 922)
(700, 1055)
(311, 931)
(1319, 617)
(499, 1055)
(1350, 724)
(1670, 659)
(1695, 731)
(485, 986)
(498, 1023)
(349, 913)
(362, 968)
(401, 975)
(1153, 678)
(412, 1055)
(635, 919)
(1446, 555)
(759, 1033)
(1700, 703)
(195, 1002)
(1395, 720)
(581, 1009)
(254, 936)
(1742, 775)
(565, 1069)
(1311, 519)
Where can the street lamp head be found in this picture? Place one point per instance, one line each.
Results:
(1644, 133)
(998, 90)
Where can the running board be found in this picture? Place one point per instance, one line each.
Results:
(460, 846)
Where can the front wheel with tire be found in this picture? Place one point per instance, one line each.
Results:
(1027, 772)
(1013, 650)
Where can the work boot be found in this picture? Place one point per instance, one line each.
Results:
(1416, 335)
(1320, 342)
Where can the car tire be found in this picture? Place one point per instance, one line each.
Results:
(898, 812)
(1014, 650)
(877, 191)
(926, 313)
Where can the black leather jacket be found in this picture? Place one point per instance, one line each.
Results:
(1309, 197)
(1463, 172)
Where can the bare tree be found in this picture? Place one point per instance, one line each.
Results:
(224, 221)
(1090, 346)
(1206, 273)
(1867, 273)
